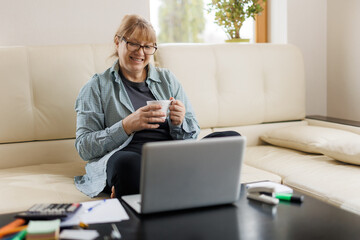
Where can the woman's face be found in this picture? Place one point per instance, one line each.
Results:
(135, 61)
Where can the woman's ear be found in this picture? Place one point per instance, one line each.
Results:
(116, 40)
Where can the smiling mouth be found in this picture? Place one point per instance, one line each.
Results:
(136, 59)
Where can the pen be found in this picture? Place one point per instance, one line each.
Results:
(96, 205)
(263, 198)
(289, 197)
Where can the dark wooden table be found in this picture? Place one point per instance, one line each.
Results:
(247, 219)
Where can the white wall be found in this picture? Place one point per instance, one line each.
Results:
(50, 22)
(303, 23)
(343, 59)
(277, 21)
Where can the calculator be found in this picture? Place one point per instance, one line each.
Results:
(47, 211)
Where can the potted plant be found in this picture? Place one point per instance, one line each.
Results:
(231, 14)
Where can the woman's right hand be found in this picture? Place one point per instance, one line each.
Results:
(143, 118)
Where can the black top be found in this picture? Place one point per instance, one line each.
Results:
(139, 93)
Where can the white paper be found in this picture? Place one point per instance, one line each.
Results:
(78, 234)
(279, 188)
(103, 211)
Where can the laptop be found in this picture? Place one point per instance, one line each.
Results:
(184, 174)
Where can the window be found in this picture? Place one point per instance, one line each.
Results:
(189, 21)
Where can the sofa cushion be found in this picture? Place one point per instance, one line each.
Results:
(303, 138)
(23, 187)
(283, 161)
(253, 132)
(345, 148)
(335, 183)
(338, 144)
(251, 174)
(317, 175)
(53, 183)
(36, 152)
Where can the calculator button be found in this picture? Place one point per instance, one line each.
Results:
(73, 207)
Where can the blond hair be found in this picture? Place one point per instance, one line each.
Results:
(134, 25)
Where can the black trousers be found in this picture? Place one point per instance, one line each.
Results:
(123, 168)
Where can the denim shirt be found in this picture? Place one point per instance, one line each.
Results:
(101, 106)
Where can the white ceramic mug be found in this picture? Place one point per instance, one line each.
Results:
(165, 104)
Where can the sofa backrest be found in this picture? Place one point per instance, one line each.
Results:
(38, 88)
(239, 84)
(228, 85)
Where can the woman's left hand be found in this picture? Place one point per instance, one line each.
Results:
(177, 111)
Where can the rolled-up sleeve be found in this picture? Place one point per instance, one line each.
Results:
(93, 138)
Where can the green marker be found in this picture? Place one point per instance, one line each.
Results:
(289, 197)
(21, 235)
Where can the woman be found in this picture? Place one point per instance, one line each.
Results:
(113, 121)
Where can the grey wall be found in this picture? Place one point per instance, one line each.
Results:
(303, 23)
(343, 59)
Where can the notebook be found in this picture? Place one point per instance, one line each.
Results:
(185, 174)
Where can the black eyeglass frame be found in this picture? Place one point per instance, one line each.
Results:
(138, 46)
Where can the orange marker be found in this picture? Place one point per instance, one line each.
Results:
(12, 230)
(16, 223)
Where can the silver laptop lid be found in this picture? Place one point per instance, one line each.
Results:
(188, 173)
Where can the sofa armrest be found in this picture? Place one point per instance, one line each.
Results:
(331, 122)
(335, 120)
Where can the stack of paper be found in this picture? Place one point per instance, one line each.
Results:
(41, 230)
(101, 211)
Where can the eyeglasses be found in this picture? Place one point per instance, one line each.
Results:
(132, 47)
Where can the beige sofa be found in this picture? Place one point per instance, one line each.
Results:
(253, 89)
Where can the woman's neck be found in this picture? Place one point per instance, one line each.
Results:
(134, 76)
